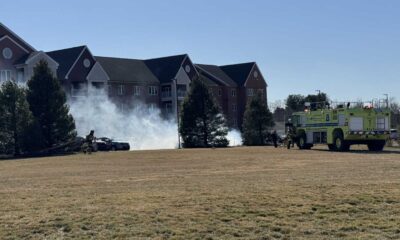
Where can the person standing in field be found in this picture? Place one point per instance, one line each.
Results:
(88, 145)
(275, 138)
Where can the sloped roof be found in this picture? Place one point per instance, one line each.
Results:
(127, 70)
(6, 31)
(238, 72)
(165, 68)
(214, 72)
(208, 81)
(25, 58)
(66, 58)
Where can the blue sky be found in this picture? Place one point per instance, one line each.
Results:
(349, 49)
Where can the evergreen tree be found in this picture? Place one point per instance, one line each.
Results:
(16, 119)
(47, 102)
(202, 124)
(256, 121)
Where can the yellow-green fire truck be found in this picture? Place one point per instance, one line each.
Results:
(341, 126)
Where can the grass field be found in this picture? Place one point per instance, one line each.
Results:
(244, 193)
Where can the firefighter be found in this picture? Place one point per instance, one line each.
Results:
(275, 138)
(88, 145)
(291, 134)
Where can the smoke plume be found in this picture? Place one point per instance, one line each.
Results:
(142, 127)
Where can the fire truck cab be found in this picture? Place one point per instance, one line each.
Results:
(342, 125)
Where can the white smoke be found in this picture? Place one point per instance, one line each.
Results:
(141, 127)
(235, 138)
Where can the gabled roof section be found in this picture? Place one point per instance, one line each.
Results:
(238, 72)
(165, 68)
(127, 70)
(5, 31)
(66, 58)
(25, 58)
(29, 57)
(216, 73)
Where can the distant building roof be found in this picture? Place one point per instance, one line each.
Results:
(238, 72)
(165, 68)
(215, 73)
(66, 58)
(127, 70)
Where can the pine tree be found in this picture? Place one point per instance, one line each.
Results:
(256, 121)
(48, 104)
(16, 119)
(202, 124)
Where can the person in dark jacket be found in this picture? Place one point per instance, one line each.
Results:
(88, 145)
(275, 138)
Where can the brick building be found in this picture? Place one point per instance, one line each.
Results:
(159, 82)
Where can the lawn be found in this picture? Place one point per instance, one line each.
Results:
(243, 193)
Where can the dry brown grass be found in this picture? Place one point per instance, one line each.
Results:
(245, 193)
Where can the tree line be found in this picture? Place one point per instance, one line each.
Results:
(34, 117)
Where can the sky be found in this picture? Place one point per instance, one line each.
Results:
(349, 49)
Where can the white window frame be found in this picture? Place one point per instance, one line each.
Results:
(121, 89)
(136, 90)
(234, 107)
(153, 106)
(233, 92)
(5, 75)
(153, 90)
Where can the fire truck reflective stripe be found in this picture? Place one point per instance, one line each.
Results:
(322, 125)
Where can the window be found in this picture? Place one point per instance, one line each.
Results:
(233, 92)
(78, 89)
(166, 91)
(136, 90)
(234, 123)
(20, 76)
(219, 92)
(5, 75)
(121, 89)
(181, 90)
(234, 107)
(122, 107)
(153, 90)
(250, 92)
(153, 106)
(168, 108)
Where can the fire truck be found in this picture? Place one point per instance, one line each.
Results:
(342, 125)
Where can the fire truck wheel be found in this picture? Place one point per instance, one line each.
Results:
(339, 143)
(302, 141)
(376, 146)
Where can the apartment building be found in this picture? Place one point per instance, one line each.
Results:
(160, 83)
